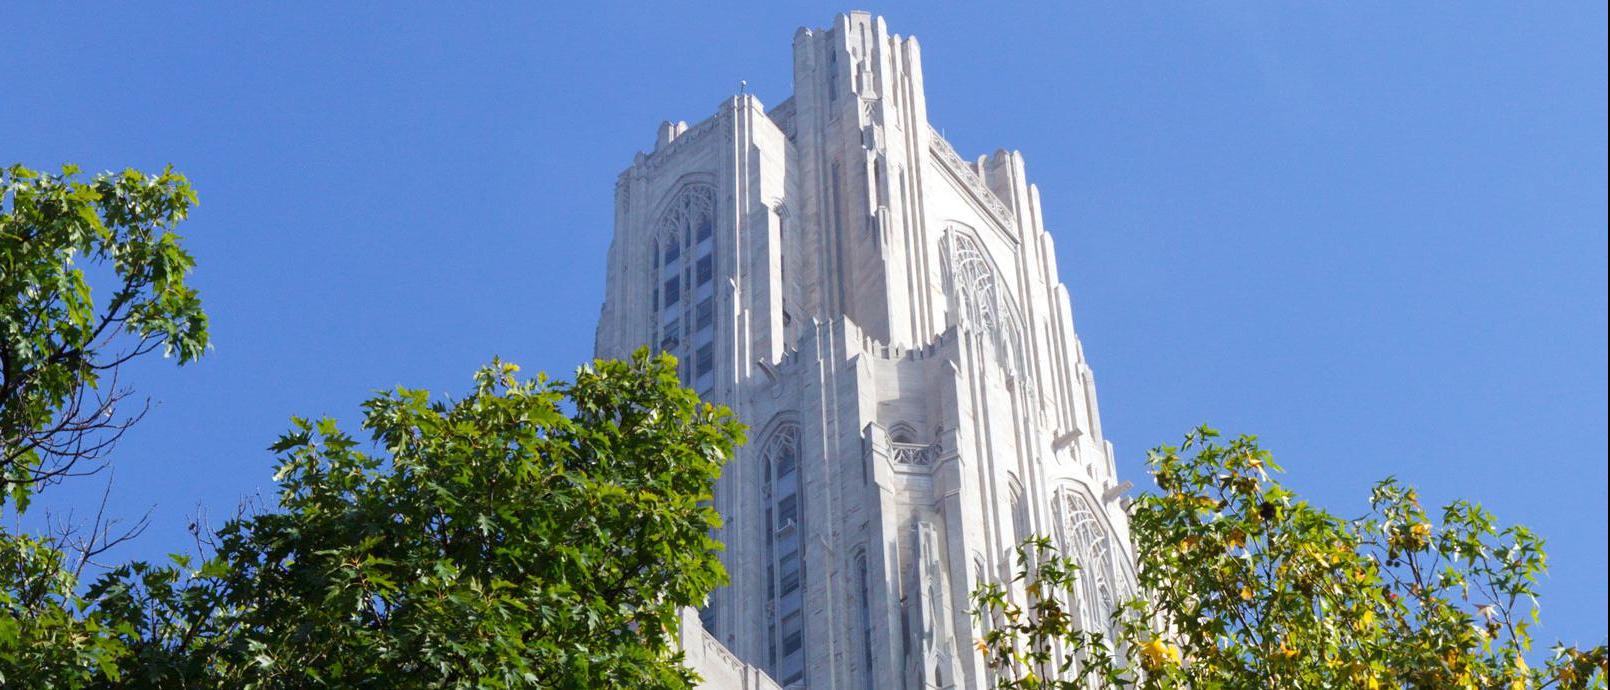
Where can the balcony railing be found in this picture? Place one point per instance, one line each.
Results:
(915, 453)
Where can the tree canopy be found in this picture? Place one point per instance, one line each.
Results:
(532, 533)
(1245, 585)
(495, 541)
(61, 345)
(543, 533)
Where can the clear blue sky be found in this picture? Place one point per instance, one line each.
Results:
(1372, 233)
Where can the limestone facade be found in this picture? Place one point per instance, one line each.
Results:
(886, 317)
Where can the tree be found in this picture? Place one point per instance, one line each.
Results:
(534, 533)
(1244, 585)
(492, 542)
(60, 351)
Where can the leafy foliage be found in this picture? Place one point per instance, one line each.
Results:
(45, 636)
(60, 350)
(57, 344)
(532, 534)
(539, 533)
(1246, 586)
(496, 542)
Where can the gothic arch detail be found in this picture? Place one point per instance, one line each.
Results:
(1020, 514)
(980, 299)
(901, 432)
(785, 557)
(684, 297)
(781, 454)
(863, 608)
(1084, 536)
(691, 212)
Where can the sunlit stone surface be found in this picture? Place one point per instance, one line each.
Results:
(886, 317)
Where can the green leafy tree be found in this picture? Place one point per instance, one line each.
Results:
(60, 350)
(1244, 585)
(46, 638)
(532, 534)
(59, 347)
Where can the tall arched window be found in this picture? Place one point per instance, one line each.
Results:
(864, 605)
(1020, 513)
(684, 292)
(1085, 538)
(982, 301)
(784, 558)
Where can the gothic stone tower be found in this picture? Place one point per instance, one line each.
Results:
(887, 318)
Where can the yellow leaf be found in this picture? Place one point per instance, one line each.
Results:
(1420, 530)
(1518, 681)
(1156, 653)
(1366, 619)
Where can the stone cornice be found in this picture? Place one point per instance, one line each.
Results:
(970, 180)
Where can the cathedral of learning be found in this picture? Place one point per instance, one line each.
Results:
(887, 318)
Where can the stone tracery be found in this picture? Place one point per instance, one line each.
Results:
(785, 572)
(971, 279)
(689, 218)
(684, 261)
(1083, 536)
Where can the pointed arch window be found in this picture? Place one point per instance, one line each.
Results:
(982, 301)
(1020, 513)
(785, 572)
(1085, 537)
(864, 606)
(684, 291)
